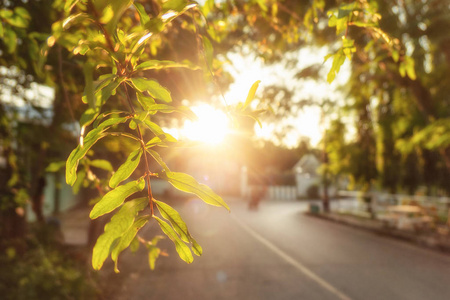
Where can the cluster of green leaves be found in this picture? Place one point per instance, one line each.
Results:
(43, 271)
(115, 40)
(363, 14)
(10, 21)
(114, 37)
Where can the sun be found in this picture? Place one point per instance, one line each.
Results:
(211, 127)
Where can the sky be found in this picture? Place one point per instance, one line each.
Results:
(247, 69)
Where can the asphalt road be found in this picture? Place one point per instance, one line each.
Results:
(279, 253)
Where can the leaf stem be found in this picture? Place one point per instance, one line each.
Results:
(141, 139)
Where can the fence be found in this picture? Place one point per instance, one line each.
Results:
(276, 192)
(379, 202)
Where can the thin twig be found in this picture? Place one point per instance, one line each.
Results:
(141, 139)
(64, 91)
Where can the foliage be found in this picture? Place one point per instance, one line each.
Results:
(124, 49)
(44, 272)
(113, 43)
(397, 92)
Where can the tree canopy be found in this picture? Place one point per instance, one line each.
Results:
(121, 70)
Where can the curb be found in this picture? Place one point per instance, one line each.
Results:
(430, 241)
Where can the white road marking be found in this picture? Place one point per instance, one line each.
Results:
(289, 259)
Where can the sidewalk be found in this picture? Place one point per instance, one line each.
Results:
(431, 240)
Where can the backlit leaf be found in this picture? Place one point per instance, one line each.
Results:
(118, 226)
(171, 215)
(55, 166)
(209, 51)
(145, 101)
(88, 117)
(102, 164)
(115, 198)
(70, 4)
(251, 94)
(161, 140)
(142, 13)
(183, 250)
(153, 254)
(338, 60)
(127, 238)
(127, 168)
(153, 88)
(158, 159)
(188, 184)
(85, 144)
(164, 64)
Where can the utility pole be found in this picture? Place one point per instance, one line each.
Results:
(325, 197)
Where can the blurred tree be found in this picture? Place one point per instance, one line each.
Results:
(398, 91)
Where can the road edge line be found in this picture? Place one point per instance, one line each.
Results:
(289, 259)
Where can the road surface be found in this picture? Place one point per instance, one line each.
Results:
(278, 252)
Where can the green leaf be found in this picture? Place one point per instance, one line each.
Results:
(395, 55)
(99, 85)
(158, 159)
(163, 108)
(338, 60)
(70, 4)
(127, 238)
(176, 5)
(171, 215)
(85, 144)
(154, 127)
(346, 9)
(142, 13)
(145, 101)
(262, 5)
(167, 109)
(153, 251)
(161, 140)
(153, 254)
(118, 7)
(108, 91)
(188, 184)
(409, 66)
(127, 168)
(402, 69)
(118, 226)
(363, 24)
(10, 39)
(107, 15)
(19, 18)
(114, 198)
(134, 246)
(78, 153)
(55, 166)
(164, 64)
(102, 164)
(196, 248)
(251, 94)
(79, 182)
(183, 250)
(72, 18)
(88, 117)
(88, 70)
(209, 51)
(153, 88)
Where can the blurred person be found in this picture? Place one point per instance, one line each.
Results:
(256, 194)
